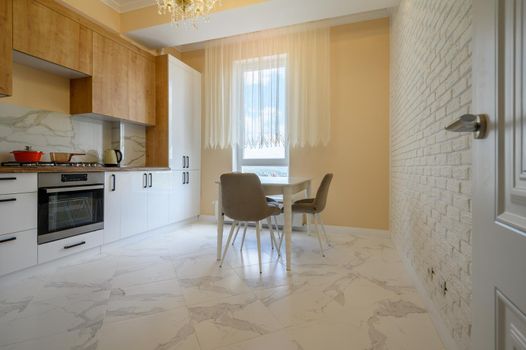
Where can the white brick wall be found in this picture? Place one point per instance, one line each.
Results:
(431, 169)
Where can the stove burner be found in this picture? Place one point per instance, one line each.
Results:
(52, 164)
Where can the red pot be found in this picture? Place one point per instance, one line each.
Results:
(28, 155)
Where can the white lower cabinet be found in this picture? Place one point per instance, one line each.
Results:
(194, 193)
(71, 245)
(18, 251)
(113, 193)
(185, 201)
(160, 189)
(18, 212)
(134, 203)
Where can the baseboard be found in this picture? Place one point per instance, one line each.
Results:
(330, 228)
(440, 326)
(358, 231)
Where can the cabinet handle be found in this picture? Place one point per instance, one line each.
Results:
(74, 245)
(144, 180)
(113, 187)
(7, 178)
(7, 200)
(184, 162)
(184, 177)
(8, 240)
(188, 162)
(187, 178)
(151, 180)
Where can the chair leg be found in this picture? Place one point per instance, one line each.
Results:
(258, 230)
(324, 232)
(307, 219)
(244, 235)
(269, 224)
(318, 234)
(272, 237)
(280, 235)
(237, 232)
(234, 224)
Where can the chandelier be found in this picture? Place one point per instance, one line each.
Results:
(182, 10)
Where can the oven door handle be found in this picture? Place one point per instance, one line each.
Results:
(74, 189)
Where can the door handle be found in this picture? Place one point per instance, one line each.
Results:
(144, 180)
(113, 181)
(74, 245)
(11, 239)
(151, 180)
(7, 200)
(477, 124)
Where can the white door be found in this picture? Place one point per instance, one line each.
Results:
(134, 203)
(195, 147)
(112, 207)
(194, 193)
(499, 176)
(159, 190)
(180, 113)
(178, 196)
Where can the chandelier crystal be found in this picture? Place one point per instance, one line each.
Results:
(183, 10)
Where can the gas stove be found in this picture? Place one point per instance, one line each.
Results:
(52, 164)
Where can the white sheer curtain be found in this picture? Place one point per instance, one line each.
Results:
(276, 82)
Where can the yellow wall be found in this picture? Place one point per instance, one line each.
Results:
(37, 89)
(358, 153)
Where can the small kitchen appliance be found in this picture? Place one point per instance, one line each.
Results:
(112, 157)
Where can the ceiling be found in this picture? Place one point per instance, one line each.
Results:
(270, 14)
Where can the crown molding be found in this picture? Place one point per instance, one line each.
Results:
(129, 5)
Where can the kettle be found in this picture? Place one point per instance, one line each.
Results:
(112, 157)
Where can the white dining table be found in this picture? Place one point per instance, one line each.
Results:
(272, 186)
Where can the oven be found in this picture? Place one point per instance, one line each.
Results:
(69, 204)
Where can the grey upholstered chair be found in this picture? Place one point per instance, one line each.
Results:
(244, 201)
(314, 206)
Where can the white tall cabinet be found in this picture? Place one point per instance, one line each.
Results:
(185, 138)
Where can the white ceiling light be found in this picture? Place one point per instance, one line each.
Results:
(183, 10)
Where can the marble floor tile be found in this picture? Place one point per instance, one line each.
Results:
(224, 283)
(231, 320)
(126, 276)
(165, 290)
(143, 299)
(167, 331)
(82, 314)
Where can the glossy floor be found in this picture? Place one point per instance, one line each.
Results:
(166, 291)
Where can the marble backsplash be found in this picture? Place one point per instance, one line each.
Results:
(57, 132)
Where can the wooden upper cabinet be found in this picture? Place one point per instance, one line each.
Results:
(122, 85)
(110, 77)
(141, 82)
(6, 48)
(41, 32)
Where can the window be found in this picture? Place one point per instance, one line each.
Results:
(260, 84)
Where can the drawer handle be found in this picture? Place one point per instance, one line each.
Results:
(7, 200)
(74, 245)
(8, 240)
(7, 178)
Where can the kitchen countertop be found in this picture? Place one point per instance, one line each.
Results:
(60, 169)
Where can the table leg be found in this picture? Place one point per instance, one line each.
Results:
(287, 229)
(220, 222)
